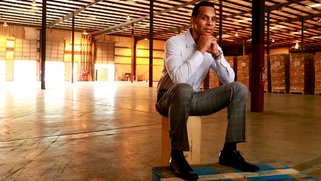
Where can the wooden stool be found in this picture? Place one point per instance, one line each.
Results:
(194, 138)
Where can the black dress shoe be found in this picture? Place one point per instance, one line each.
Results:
(182, 169)
(235, 159)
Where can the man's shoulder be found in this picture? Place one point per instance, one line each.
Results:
(177, 38)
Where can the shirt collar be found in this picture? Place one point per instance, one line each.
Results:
(189, 39)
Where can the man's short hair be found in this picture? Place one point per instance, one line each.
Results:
(200, 4)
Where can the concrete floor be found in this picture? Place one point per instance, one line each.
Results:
(111, 131)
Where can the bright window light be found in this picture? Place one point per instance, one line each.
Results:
(75, 71)
(25, 71)
(10, 43)
(105, 72)
(2, 70)
(54, 72)
(77, 48)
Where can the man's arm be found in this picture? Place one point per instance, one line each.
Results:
(222, 68)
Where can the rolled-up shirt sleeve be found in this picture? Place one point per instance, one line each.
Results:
(180, 69)
(223, 69)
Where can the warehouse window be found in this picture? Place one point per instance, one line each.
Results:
(105, 72)
(2, 71)
(25, 71)
(55, 72)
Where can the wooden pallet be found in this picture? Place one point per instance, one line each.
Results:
(214, 171)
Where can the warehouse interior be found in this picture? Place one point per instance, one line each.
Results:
(78, 85)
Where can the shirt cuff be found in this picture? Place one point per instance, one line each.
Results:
(219, 56)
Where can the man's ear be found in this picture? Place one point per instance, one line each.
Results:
(192, 20)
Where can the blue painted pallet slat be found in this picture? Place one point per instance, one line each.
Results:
(214, 171)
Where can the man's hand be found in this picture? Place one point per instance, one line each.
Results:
(204, 43)
(213, 49)
(208, 43)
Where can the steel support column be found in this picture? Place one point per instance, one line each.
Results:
(43, 44)
(268, 69)
(221, 23)
(133, 63)
(72, 48)
(302, 34)
(151, 17)
(257, 61)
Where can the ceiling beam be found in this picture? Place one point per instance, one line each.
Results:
(74, 13)
(300, 18)
(128, 23)
(272, 8)
(279, 6)
(172, 30)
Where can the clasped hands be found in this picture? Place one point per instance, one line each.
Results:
(208, 43)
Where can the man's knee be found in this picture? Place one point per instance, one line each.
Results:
(183, 91)
(240, 88)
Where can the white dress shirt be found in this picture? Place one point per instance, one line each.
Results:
(183, 63)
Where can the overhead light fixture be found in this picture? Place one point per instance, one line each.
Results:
(33, 3)
(277, 27)
(85, 32)
(298, 32)
(5, 24)
(226, 36)
(273, 40)
(236, 34)
(296, 46)
(244, 20)
(318, 20)
(314, 5)
(315, 37)
(132, 1)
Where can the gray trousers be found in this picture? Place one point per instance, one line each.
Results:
(180, 101)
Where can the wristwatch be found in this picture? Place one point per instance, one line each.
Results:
(218, 55)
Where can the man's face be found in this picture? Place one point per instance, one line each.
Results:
(204, 23)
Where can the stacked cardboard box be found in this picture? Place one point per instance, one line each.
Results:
(214, 81)
(317, 64)
(230, 60)
(243, 64)
(265, 74)
(297, 73)
(278, 72)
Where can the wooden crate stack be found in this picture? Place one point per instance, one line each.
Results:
(265, 74)
(297, 73)
(317, 64)
(230, 60)
(243, 65)
(214, 81)
(277, 73)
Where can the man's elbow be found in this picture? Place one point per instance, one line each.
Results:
(228, 80)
